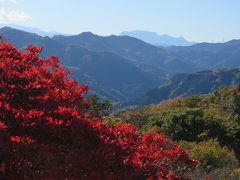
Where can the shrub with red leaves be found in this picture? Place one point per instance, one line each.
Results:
(46, 132)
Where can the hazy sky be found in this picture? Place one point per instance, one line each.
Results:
(198, 20)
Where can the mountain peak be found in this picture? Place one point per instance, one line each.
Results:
(34, 30)
(7, 28)
(89, 33)
(13, 31)
(156, 39)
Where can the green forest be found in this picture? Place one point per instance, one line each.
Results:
(206, 126)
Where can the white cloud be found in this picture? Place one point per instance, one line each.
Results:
(13, 16)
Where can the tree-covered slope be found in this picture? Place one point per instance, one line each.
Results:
(210, 55)
(189, 84)
(207, 126)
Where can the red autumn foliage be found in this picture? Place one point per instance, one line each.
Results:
(46, 132)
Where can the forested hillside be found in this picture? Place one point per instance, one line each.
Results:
(182, 85)
(207, 126)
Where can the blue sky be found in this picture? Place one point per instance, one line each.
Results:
(198, 20)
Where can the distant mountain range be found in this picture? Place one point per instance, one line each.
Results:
(122, 68)
(31, 30)
(156, 39)
(148, 58)
(108, 74)
(182, 85)
(158, 61)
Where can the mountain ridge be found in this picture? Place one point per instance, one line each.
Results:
(156, 39)
(90, 67)
(126, 58)
(34, 30)
(186, 84)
